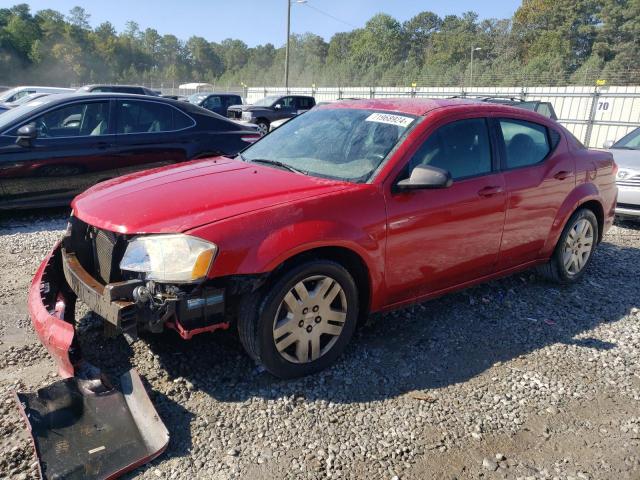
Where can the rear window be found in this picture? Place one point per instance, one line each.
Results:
(526, 143)
(136, 116)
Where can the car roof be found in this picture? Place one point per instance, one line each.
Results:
(225, 94)
(94, 85)
(422, 106)
(64, 97)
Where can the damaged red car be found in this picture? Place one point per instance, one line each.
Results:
(352, 208)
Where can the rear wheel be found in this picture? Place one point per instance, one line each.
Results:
(574, 250)
(301, 323)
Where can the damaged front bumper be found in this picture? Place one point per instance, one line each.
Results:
(51, 307)
(82, 427)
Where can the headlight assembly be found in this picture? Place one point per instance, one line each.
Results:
(169, 258)
(246, 115)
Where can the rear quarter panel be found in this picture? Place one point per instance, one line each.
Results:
(259, 241)
(595, 181)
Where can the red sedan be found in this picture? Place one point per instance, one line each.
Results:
(354, 207)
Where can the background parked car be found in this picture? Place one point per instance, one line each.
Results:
(216, 102)
(134, 89)
(543, 108)
(15, 93)
(55, 147)
(626, 153)
(271, 108)
(21, 101)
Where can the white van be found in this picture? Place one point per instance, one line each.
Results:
(15, 93)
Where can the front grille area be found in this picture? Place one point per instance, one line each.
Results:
(99, 251)
(629, 206)
(234, 114)
(104, 246)
(633, 181)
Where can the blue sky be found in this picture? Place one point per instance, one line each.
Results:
(261, 21)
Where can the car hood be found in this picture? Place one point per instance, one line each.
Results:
(182, 197)
(629, 159)
(248, 108)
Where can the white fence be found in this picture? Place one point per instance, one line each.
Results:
(592, 114)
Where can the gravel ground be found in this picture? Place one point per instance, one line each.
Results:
(514, 379)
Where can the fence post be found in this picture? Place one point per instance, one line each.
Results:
(372, 92)
(592, 116)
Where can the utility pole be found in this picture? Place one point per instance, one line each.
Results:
(286, 51)
(473, 49)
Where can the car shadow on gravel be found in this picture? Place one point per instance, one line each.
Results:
(32, 220)
(422, 348)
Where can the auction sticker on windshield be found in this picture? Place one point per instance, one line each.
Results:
(391, 119)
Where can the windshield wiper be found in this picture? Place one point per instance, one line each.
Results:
(276, 163)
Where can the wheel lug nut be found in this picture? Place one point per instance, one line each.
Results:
(305, 311)
(318, 319)
(309, 328)
(301, 323)
(316, 308)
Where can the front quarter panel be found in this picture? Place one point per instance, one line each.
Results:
(260, 241)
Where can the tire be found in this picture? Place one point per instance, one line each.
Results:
(557, 270)
(263, 127)
(265, 318)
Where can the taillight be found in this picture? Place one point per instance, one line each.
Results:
(250, 138)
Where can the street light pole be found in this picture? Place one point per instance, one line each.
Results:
(473, 49)
(286, 51)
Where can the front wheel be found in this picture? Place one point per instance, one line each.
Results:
(574, 250)
(301, 323)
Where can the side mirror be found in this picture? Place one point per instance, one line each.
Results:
(426, 177)
(277, 106)
(608, 144)
(27, 134)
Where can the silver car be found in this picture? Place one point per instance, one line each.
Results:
(626, 153)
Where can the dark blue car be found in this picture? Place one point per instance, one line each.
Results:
(54, 147)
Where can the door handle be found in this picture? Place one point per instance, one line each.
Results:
(562, 175)
(489, 191)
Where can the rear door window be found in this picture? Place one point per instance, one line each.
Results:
(461, 147)
(525, 143)
(135, 116)
(303, 103)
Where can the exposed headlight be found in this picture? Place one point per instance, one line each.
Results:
(169, 258)
(246, 115)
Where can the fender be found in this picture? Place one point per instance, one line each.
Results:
(260, 241)
(583, 193)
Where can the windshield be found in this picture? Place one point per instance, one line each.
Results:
(196, 98)
(28, 98)
(266, 101)
(345, 144)
(630, 141)
(10, 93)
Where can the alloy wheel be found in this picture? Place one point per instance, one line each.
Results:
(578, 246)
(310, 319)
(263, 129)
